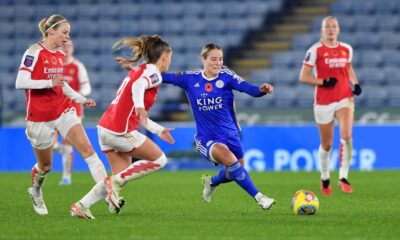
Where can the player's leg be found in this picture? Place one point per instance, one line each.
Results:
(222, 154)
(40, 136)
(72, 130)
(325, 118)
(345, 117)
(67, 161)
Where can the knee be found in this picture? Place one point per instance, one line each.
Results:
(46, 168)
(326, 146)
(87, 150)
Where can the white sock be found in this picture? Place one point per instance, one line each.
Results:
(324, 160)
(38, 177)
(66, 151)
(346, 151)
(97, 193)
(96, 167)
(139, 169)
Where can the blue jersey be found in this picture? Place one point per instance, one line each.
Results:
(212, 100)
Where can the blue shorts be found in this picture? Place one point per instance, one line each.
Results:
(204, 146)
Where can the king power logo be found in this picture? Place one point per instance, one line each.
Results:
(207, 104)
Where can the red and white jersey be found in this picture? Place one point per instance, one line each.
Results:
(44, 104)
(331, 62)
(76, 75)
(120, 118)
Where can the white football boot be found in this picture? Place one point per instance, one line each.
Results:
(112, 197)
(264, 202)
(37, 200)
(77, 210)
(207, 188)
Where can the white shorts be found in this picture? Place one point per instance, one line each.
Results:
(120, 143)
(40, 134)
(325, 114)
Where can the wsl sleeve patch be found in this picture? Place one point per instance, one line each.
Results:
(307, 57)
(154, 78)
(28, 60)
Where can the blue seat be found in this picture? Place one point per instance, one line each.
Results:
(215, 9)
(371, 58)
(391, 75)
(260, 76)
(390, 23)
(305, 95)
(392, 58)
(193, 9)
(366, 40)
(130, 11)
(371, 76)
(148, 11)
(304, 41)
(259, 8)
(342, 8)
(86, 45)
(364, 8)
(171, 10)
(24, 29)
(44, 10)
(69, 11)
(195, 26)
(284, 96)
(393, 96)
(375, 96)
(215, 25)
(7, 47)
(8, 80)
(237, 25)
(365, 23)
(109, 11)
(88, 11)
(237, 10)
(389, 7)
(390, 40)
(86, 28)
(7, 13)
(109, 28)
(7, 30)
(24, 12)
(90, 60)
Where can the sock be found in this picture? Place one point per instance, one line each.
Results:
(96, 168)
(67, 159)
(346, 150)
(219, 178)
(97, 193)
(139, 169)
(324, 160)
(38, 177)
(242, 178)
(325, 183)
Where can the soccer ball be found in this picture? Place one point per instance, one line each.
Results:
(305, 202)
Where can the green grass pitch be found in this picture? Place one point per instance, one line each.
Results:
(168, 205)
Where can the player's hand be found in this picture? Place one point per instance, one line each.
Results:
(58, 80)
(266, 88)
(141, 113)
(125, 64)
(357, 89)
(329, 82)
(90, 103)
(166, 135)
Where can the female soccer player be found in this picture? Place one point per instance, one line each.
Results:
(117, 129)
(330, 62)
(75, 74)
(49, 106)
(210, 95)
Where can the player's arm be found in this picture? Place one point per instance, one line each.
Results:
(162, 132)
(24, 76)
(138, 89)
(354, 80)
(239, 84)
(71, 93)
(177, 79)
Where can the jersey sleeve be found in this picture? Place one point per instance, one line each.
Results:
(24, 76)
(177, 79)
(311, 56)
(138, 89)
(236, 82)
(84, 82)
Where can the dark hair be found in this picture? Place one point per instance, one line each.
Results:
(51, 22)
(207, 48)
(150, 47)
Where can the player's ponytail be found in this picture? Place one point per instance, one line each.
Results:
(150, 47)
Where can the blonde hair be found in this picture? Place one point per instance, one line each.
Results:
(328, 18)
(205, 50)
(150, 47)
(51, 22)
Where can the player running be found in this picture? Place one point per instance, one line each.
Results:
(328, 66)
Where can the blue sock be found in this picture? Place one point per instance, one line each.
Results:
(219, 178)
(241, 177)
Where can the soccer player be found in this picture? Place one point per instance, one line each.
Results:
(49, 106)
(118, 131)
(210, 94)
(327, 65)
(75, 74)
